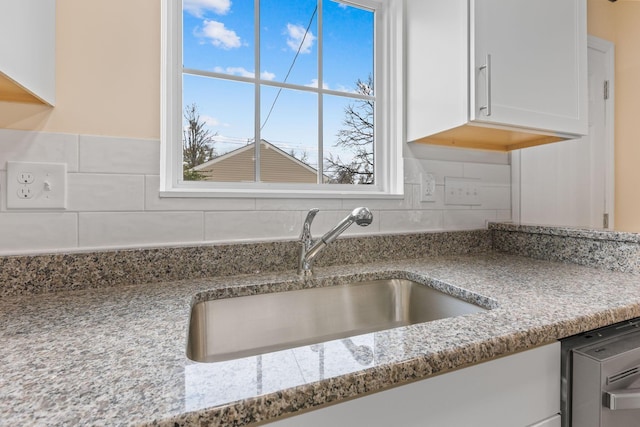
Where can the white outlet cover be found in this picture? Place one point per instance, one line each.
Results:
(47, 189)
(427, 187)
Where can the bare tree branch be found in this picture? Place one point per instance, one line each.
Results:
(357, 136)
(197, 143)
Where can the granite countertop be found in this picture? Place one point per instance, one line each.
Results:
(579, 232)
(116, 356)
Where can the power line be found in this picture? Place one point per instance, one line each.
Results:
(313, 15)
(233, 140)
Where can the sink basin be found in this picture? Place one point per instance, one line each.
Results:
(230, 328)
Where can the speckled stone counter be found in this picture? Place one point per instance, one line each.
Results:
(116, 356)
(32, 274)
(612, 250)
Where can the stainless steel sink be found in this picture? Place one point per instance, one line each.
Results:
(230, 328)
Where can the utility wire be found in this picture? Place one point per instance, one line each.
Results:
(313, 15)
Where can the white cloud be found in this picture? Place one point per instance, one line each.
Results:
(243, 72)
(219, 35)
(266, 75)
(342, 88)
(239, 71)
(210, 121)
(198, 7)
(296, 35)
(314, 83)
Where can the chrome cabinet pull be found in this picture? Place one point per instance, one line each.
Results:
(622, 399)
(487, 68)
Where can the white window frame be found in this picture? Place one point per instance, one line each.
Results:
(389, 120)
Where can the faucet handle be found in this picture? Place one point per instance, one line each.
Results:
(305, 236)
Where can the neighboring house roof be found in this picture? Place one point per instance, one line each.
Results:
(276, 165)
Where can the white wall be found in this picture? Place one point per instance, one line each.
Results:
(113, 199)
(571, 183)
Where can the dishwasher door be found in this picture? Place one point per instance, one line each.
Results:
(606, 383)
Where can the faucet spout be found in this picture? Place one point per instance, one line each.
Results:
(309, 249)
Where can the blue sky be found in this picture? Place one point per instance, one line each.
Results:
(219, 36)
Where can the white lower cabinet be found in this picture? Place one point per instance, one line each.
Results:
(522, 389)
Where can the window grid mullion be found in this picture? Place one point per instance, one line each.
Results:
(256, 75)
(320, 141)
(178, 159)
(297, 87)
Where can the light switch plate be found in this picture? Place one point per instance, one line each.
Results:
(461, 191)
(36, 185)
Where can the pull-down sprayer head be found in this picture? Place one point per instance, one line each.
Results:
(361, 216)
(309, 249)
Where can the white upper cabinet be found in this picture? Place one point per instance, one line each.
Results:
(496, 74)
(27, 51)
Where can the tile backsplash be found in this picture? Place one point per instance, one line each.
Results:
(113, 200)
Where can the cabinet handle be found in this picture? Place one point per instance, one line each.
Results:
(622, 399)
(487, 74)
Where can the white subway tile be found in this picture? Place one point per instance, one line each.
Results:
(126, 229)
(488, 174)
(441, 169)
(416, 168)
(252, 225)
(297, 204)
(412, 171)
(390, 203)
(410, 221)
(153, 201)
(3, 190)
(101, 154)
(468, 219)
(503, 215)
(30, 146)
(494, 197)
(110, 192)
(26, 232)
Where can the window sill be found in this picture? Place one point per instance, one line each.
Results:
(277, 194)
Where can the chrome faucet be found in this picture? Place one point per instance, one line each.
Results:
(309, 248)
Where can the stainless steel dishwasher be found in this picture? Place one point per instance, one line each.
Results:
(601, 377)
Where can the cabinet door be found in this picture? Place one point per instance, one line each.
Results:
(513, 391)
(528, 64)
(28, 51)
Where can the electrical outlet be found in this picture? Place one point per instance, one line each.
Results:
(25, 177)
(427, 187)
(24, 192)
(36, 185)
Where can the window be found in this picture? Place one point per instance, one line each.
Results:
(310, 80)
